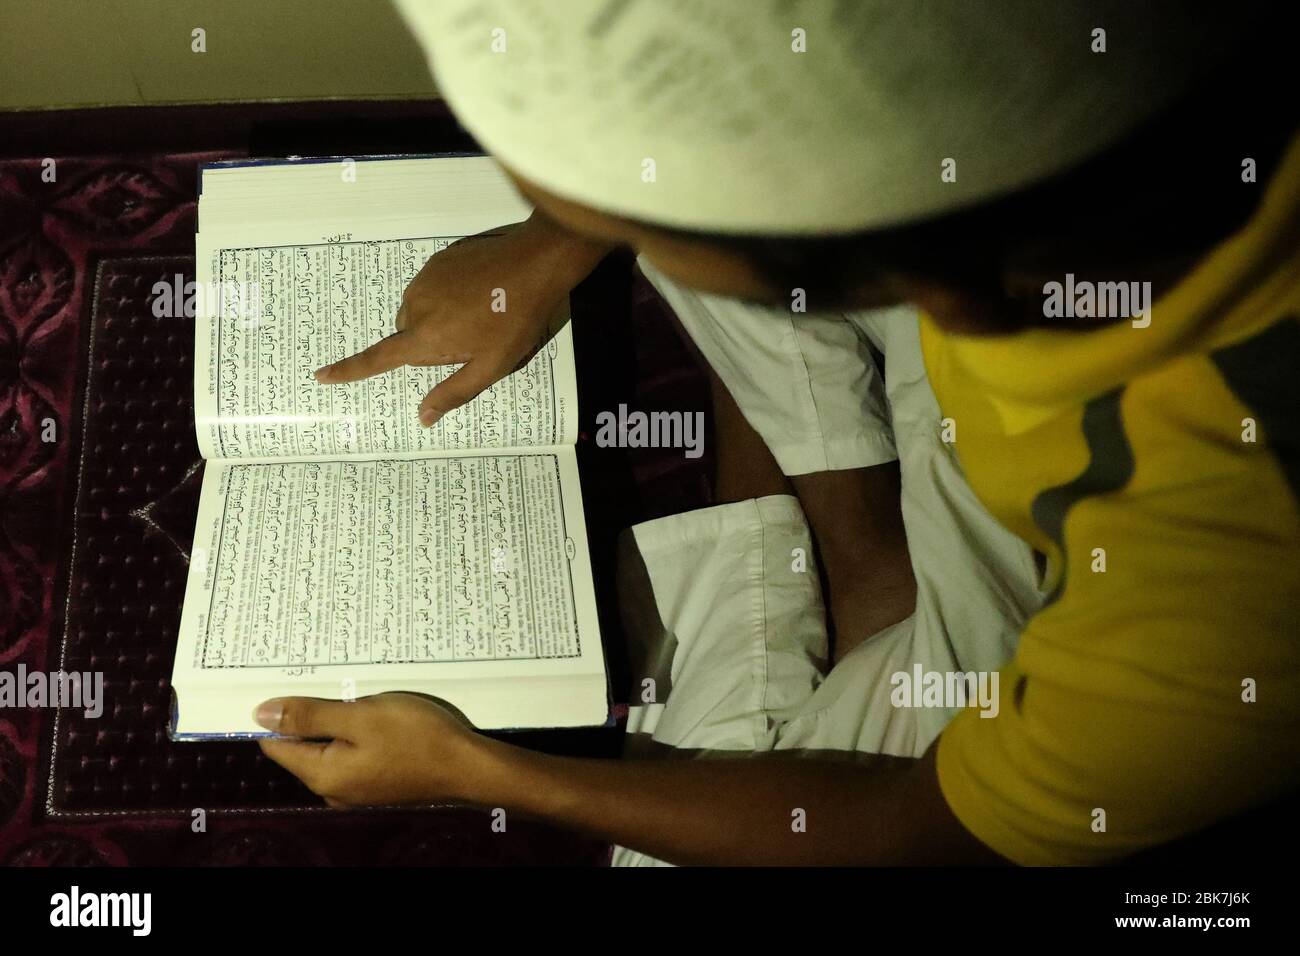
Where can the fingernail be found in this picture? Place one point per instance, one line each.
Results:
(269, 714)
(322, 373)
(428, 416)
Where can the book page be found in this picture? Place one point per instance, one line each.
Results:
(366, 576)
(269, 316)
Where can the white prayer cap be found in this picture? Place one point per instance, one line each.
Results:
(763, 116)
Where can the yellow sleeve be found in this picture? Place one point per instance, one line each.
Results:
(1071, 773)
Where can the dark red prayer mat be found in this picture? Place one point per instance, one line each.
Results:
(98, 489)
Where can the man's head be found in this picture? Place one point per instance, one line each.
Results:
(943, 152)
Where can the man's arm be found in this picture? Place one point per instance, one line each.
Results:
(751, 809)
(773, 809)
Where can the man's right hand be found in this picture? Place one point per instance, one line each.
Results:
(447, 314)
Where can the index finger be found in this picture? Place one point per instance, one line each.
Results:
(306, 761)
(386, 354)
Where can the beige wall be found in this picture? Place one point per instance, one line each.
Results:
(74, 53)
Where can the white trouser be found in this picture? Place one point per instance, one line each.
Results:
(728, 634)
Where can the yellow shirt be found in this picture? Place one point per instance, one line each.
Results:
(1159, 689)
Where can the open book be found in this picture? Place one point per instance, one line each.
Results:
(341, 549)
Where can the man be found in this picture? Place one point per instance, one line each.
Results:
(976, 162)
